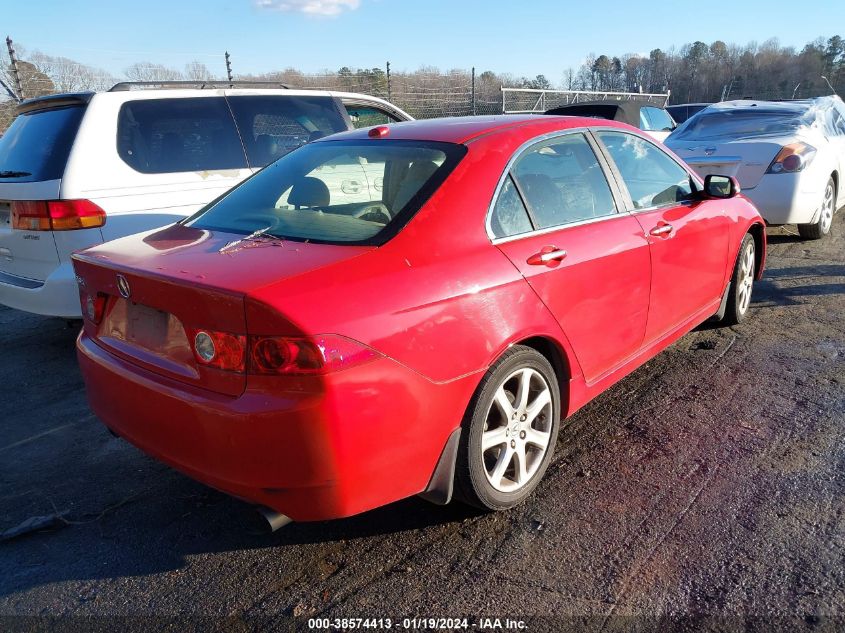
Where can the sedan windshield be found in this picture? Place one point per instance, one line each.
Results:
(337, 192)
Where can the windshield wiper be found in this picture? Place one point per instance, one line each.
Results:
(14, 174)
(262, 233)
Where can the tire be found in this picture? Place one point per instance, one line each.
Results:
(821, 227)
(504, 450)
(742, 283)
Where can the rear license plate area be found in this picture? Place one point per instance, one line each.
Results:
(146, 326)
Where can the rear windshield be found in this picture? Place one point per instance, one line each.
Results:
(337, 192)
(739, 124)
(273, 126)
(36, 146)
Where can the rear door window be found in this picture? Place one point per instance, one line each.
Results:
(36, 146)
(159, 136)
(272, 126)
(562, 182)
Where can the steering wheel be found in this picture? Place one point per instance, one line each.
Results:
(373, 212)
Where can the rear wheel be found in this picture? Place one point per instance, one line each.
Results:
(509, 431)
(821, 227)
(742, 283)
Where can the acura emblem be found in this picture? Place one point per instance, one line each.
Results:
(123, 287)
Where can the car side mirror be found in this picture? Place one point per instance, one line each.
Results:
(716, 186)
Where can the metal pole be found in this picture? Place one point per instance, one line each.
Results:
(15, 72)
(388, 81)
(473, 90)
(228, 67)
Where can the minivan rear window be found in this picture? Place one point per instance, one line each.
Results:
(160, 136)
(335, 192)
(36, 146)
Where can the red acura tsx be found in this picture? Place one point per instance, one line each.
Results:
(409, 309)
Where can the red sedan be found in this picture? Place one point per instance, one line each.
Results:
(409, 309)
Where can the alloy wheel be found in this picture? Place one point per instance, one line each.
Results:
(826, 219)
(745, 279)
(517, 430)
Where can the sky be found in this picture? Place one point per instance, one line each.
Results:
(522, 38)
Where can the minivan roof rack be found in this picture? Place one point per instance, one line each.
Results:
(211, 83)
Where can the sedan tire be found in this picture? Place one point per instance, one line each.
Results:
(742, 283)
(509, 431)
(821, 227)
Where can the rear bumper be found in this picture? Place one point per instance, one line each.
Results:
(56, 296)
(325, 448)
(785, 199)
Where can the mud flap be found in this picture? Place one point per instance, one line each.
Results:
(441, 485)
(723, 306)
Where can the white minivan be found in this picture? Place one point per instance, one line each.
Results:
(80, 169)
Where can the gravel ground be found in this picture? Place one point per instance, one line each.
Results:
(705, 489)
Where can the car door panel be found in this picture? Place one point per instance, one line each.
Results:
(598, 292)
(688, 236)
(688, 253)
(557, 220)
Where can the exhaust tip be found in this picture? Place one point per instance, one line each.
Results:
(274, 519)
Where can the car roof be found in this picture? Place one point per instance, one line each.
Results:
(461, 130)
(787, 106)
(627, 111)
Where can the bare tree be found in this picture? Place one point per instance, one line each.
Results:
(197, 71)
(147, 71)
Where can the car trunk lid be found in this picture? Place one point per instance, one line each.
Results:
(160, 288)
(746, 160)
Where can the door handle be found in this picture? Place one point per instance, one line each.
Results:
(548, 255)
(661, 229)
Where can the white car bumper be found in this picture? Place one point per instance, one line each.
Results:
(56, 296)
(785, 198)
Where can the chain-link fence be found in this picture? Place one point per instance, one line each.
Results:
(537, 101)
(422, 95)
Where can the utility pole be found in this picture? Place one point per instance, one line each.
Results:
(388, 81)
(15, 72)
(473, 91)
(228, 67)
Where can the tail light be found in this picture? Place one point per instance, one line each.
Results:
(219, 349)
(277, 355)
(791, 158)
(319, 355)
(56, 215)
(93, 306)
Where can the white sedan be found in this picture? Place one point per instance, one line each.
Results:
(789, 156)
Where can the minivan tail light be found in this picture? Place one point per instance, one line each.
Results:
(56, 215)
(791, 158)
(318, 355)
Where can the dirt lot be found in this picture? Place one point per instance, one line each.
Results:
(709, 482)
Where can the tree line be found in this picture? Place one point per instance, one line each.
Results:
(696, 72)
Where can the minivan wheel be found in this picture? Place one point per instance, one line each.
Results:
(742, 283)
(510, 431)
(821, 227)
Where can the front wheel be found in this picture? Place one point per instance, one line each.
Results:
(821, 227)
(742, 283)
(510, 431)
